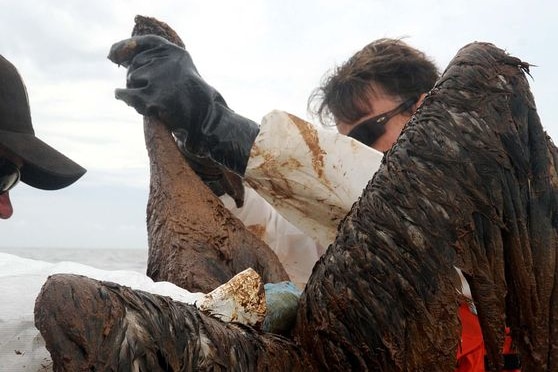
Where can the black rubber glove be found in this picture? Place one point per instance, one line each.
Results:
(163, 82)
(215, 176)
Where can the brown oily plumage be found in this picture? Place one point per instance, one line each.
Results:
(471, 183)
(194, 241)
(100, 326)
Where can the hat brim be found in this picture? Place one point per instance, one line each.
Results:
(44, 167)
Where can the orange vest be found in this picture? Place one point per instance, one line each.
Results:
(471, 353)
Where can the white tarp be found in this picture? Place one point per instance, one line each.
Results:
(21, 345)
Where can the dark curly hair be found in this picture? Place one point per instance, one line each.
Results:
(402, 71)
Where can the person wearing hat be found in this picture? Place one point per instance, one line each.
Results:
(23, 156)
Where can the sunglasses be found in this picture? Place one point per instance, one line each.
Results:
(9, 175)
(369, 130)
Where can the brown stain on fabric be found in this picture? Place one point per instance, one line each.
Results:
(310, 136)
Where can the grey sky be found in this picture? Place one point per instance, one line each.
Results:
(261, 55)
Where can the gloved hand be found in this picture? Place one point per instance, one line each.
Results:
(163, 82)
(216, 177)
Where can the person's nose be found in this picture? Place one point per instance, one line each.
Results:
(6, 209)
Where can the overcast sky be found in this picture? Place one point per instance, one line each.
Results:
(261, 55)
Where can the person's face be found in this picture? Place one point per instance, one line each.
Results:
(398, 114)
(9, 176)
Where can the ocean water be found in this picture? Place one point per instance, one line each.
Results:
(106, 259)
